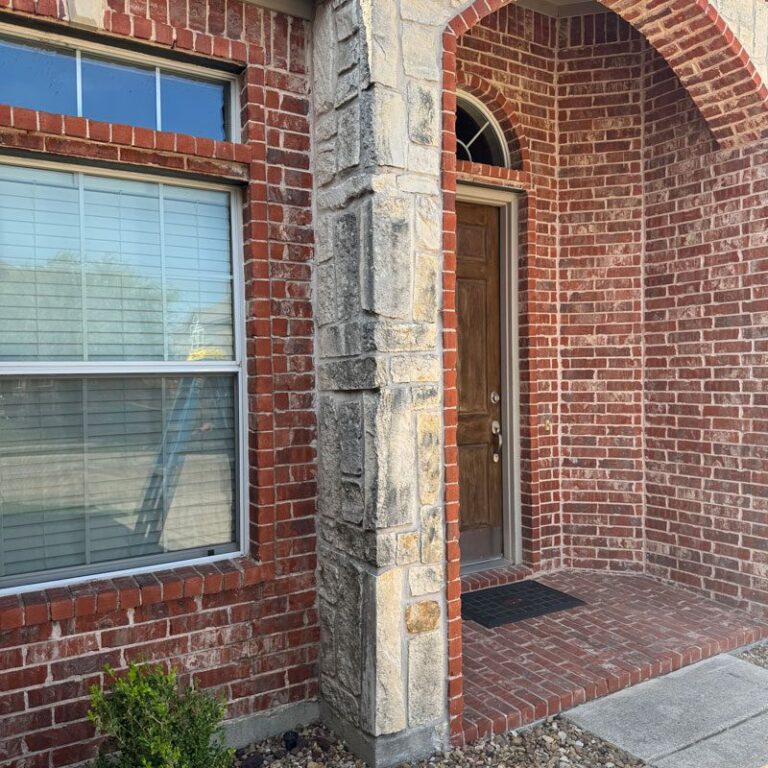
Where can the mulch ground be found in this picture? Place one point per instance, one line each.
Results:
(556, 743)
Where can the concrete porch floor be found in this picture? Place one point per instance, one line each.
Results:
(631, 629)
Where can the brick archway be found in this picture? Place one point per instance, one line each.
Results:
(730, 95)
(698, 46)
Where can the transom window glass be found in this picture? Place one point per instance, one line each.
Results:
(75, 82)
(478, 136)
(119, 374)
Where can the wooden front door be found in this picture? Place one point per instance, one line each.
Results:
(478, 307)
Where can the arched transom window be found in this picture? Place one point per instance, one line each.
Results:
(479, 137)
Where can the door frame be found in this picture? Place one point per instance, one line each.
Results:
(508, 203)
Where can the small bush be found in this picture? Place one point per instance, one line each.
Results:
(151, 725)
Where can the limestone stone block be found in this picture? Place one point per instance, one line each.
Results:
(422, 46)
(326, 125)
(426, 579)
(381, 548)
(346, 250)
(325, 165)
(348, 137)
(423, 114)
(354, 374)
(346, 538)
(425, 290)
(347, 88)
(432, 535)
(426, 396)
(382, 41)
(429, 430)
(350, 421)
(436, 11)
(399, 337)
(413, 368)
(352, 501)
(424, 160)
(325, 299)
(340, 340)
(348, 628)
(327, 641)
(429, 223)
(329, 475)
(387, 139)
(343, 702)
(86, 12)
(348, 55)
(426, 678)
(388, 270)
(384, 696)
(390, 459)
(422, 617)
(347, 20)
(407, 547)
(418, 185)
(324, 81)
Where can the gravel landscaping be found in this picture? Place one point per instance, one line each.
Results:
(755, 654)
(556, 743)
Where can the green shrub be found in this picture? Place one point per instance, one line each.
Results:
(151, 725)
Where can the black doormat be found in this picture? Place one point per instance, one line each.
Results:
(514, 602)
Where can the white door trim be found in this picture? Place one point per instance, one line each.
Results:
(507, 201)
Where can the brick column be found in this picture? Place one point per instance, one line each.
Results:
(381, 545)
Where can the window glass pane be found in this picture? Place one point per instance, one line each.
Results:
(99, 470)
(117, 93)
(38, 78)
(101, 268)
(197, 246)
(41, 288)
(193, 106)
(124, 274)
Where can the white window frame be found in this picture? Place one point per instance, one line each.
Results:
(473, 104)
(29, 36)
(237, 367)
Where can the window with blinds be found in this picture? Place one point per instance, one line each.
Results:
(120, 378)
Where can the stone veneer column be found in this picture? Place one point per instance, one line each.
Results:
(381, 546)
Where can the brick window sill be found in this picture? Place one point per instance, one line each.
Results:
(102, 596)
(111, 142)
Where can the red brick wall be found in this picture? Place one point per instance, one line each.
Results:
(706, 341)
(247, 627)
(600, 249)
(575, 90)
(662, 284)
(510, 56)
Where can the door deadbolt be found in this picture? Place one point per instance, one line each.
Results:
(495, 398)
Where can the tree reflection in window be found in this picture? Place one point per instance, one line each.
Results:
(478, 135)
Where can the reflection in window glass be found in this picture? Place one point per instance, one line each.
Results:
(116, 93)
(99, 268)
(103, 470)
(193, 106)
(476, 137)
(38, 78)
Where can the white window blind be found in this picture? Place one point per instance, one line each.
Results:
(103, 469)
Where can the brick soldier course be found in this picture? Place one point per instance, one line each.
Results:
(639, 140)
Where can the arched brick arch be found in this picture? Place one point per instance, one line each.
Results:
(699, 47)
(503, 110)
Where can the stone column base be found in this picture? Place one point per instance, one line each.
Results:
(393, 749)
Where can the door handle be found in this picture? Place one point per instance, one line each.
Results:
(496, 431)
